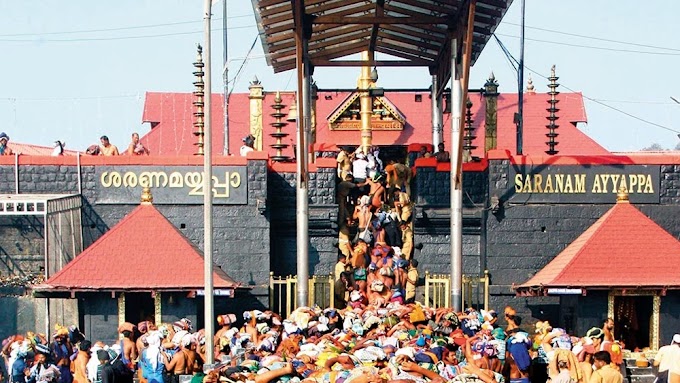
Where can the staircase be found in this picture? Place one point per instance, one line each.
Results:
(635, 374)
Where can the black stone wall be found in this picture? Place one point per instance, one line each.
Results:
(323, 212)
(432, 188)
(22, 246)
(175, 306)
(669, 317)
(99, 313)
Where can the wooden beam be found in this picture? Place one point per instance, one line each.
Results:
(379, 12)
(359, 63)
(408, 40)
(391, 8)
(438, 8)
(320, 45)
(465, 80)
(328, 34)
(332, 19)
(439, 38)
(401, 54)
(413, 51)
(351, 48)
(339, 15)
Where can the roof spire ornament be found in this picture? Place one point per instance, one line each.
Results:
(530, 85)
(469, 135)
(552, 117)
(279, 124)
(199, 102)
(147, 197)
(622, 195)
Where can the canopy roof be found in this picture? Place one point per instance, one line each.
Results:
(418, 32)
(622, 249)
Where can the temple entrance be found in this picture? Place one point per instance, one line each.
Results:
(139, 307)
(633, 316)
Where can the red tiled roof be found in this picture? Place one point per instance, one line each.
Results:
(36, 150)
(624, 248)
(171, 114)
(143, 237)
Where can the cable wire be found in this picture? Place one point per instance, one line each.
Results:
(597, 38)
(39, 40)
(602, 103)
(593, 47)
(117, 28)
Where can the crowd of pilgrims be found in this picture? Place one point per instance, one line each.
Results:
(396, 343)
(374, 202)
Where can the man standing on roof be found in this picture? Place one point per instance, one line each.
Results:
(248, 145)
(4, 149)
(106, 148)
(136, 148)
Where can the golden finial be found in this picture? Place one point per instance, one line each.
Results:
(147, 198)
(552, 71)
(622, 195)
(530, 85)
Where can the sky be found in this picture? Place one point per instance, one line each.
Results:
(75, 70)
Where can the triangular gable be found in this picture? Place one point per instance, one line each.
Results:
(146, 239)
(386, 116)
(624, 248)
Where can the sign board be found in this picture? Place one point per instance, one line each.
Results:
(216, 292)
(565, 291)
(583, 184)
(171, 184)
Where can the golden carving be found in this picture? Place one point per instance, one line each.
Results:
(654, 326)
(121, 309)
(622, 195)
(157, 308)
(256, 96)
(147, 198)
(383, 117)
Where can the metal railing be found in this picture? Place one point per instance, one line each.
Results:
(438, 290)
(283, 297)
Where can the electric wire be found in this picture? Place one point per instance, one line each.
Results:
(596, 38)
(117, 28)
(602, 103)
(40, 40)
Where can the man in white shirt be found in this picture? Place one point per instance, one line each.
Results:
(360, 168)
(668, 358)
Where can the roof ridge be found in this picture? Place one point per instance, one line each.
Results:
(597, 225)
(98, 241)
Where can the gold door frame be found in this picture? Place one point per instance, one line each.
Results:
(656, 309)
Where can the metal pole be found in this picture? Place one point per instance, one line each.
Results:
(225, 79)
(520, 87)
(302, 193)
(207, 192)
(47, 269)
(456, 185)
(16, 173)
(436, 114)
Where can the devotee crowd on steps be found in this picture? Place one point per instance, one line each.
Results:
(375, 343)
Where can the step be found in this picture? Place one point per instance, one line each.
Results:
(640, 370)
(642, 378)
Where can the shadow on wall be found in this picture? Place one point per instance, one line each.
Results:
(8, 316)
(93, 225)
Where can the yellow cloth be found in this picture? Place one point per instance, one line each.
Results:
(410, 287)
(340, 267)
(574, 368)
(607, 374)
